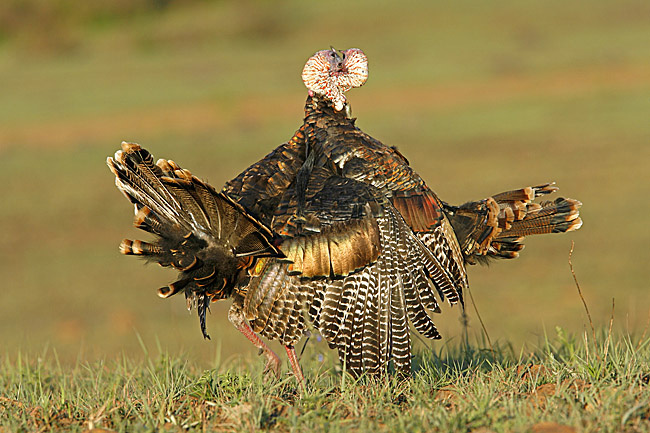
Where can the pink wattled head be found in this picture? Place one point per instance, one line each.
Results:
(331, 73)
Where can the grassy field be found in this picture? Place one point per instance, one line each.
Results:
(481, 97)
(566, 385)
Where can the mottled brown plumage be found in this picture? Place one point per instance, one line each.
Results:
(352, 177)
(205, 235)
(340, 174)
(332, 229)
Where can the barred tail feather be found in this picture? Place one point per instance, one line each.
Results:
(333, 310)
(354, 330)
(202, 233)
(559, 216)
(371, 331)
(496, 227)
(366, 314)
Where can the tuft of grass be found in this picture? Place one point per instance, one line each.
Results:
(467, 389)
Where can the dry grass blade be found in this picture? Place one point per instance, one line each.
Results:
(469, 292)
(591, 323)
(609, 331)
(645, 331)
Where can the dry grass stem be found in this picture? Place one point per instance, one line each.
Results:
(591, 323)
(645, 330)
(609, 331)
(469, 292)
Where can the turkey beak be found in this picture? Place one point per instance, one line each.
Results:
(339, 57)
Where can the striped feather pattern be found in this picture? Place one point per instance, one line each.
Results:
(335, 307)
(206, 236)
(350, 338)
(557, 216)
(332, 227)
(366, 315)
(337, 250)
(496, 227)
(348, 222)
(400, 344)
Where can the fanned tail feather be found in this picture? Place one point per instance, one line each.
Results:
(353, 329)
(200, 232)
(496, 227)
(365, 315)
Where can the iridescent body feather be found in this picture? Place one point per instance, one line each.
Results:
(332, 228)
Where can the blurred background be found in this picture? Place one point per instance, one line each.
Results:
(480, 96)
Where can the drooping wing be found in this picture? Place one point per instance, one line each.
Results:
(355, 266)
(360, 157)
(341, 192)
(421, 209)
(200, 232)
(496, 227)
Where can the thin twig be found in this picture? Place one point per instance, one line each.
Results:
(469, 292)
(591, 323)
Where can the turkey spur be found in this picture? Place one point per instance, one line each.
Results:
(331, 230)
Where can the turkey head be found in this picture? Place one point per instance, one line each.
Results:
(331, 73)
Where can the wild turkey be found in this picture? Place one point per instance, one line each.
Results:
(332, 228)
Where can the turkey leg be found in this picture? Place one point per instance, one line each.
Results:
(295, 366)
(272, 360)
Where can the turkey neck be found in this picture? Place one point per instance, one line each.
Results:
(322, 123)
(327, 132)
(341, 146)
(320, 114)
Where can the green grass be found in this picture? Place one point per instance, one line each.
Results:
(590, 387)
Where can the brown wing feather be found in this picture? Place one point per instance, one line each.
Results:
(205, 235)
(496, 227)
(336, 251)
(261, 187)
